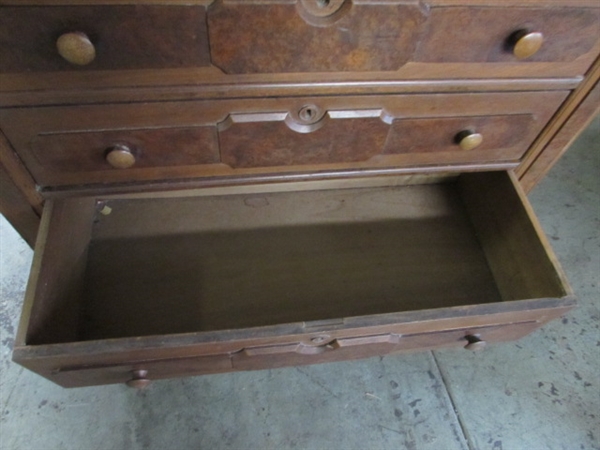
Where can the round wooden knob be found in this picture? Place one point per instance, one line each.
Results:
(474, 343)
(139, 380)
(527, 44)
(76, 48)
(469, 140)
(120, 157)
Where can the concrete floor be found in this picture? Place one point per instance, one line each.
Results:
(541, 392)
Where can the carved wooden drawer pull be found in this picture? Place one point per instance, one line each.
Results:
(139, 380)
(76, 48)
(526, 43)
(120, 157)
(475, 343)
(469, 140)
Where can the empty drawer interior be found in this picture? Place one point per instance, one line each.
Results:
(147, 266)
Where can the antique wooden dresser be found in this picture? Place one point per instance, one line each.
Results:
(244, 184)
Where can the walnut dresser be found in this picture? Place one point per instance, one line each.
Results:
(227, 185)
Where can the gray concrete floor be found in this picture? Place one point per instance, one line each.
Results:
(541, 392)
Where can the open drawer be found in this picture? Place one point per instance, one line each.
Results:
(129, 289)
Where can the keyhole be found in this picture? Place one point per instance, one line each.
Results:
(308, 113)
(322, 3)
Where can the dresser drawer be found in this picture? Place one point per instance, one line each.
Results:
(203, 139)
(341, 45)
(121, 37)
(386, 36)
(508, 35)
(322, 349)
(243, 278)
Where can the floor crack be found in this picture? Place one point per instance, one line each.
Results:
(463, 427)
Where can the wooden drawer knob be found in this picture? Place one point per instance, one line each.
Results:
(469, 140)
(527, 44)
(76, 48)
(139, 380)
(120, 157)
(475, 343)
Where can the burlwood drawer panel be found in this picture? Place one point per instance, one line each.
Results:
(362, 44)
(489, 35)
(124, 37)
(343, 37)
(374, 36)
(70, 145)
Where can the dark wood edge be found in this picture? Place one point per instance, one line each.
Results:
(247, 89)
(587, 110)
(16, 209)
(588, 3)
(426, 320)
(20, 202)
(38, 255)
(567, 123)
(118, 189)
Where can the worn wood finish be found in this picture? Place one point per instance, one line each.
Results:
(504, 133)
(274, 143)
(125, 37)
(505, 222)
(358, 37)
(52, 305)
(50, 360)
(139, 86)
(570, 130)
(580, 3)
(327, 213)
(20, 202)
(17, 210)
(486, 34)
(89, 151)
(573, 116)
(266, 136)
(278, 258)
(209, 286)
(257, 358)
(364, 347)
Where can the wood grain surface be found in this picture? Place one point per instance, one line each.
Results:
(125, 37)
(274, 37)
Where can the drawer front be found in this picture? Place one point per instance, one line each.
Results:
(90, 151)
(153, 370)
(139, 374)
(362, 36)
(169, 286)
(124, 143)
(494, 35)
(341, 37)
(230, 40)
(122, 37)
(377, 345)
